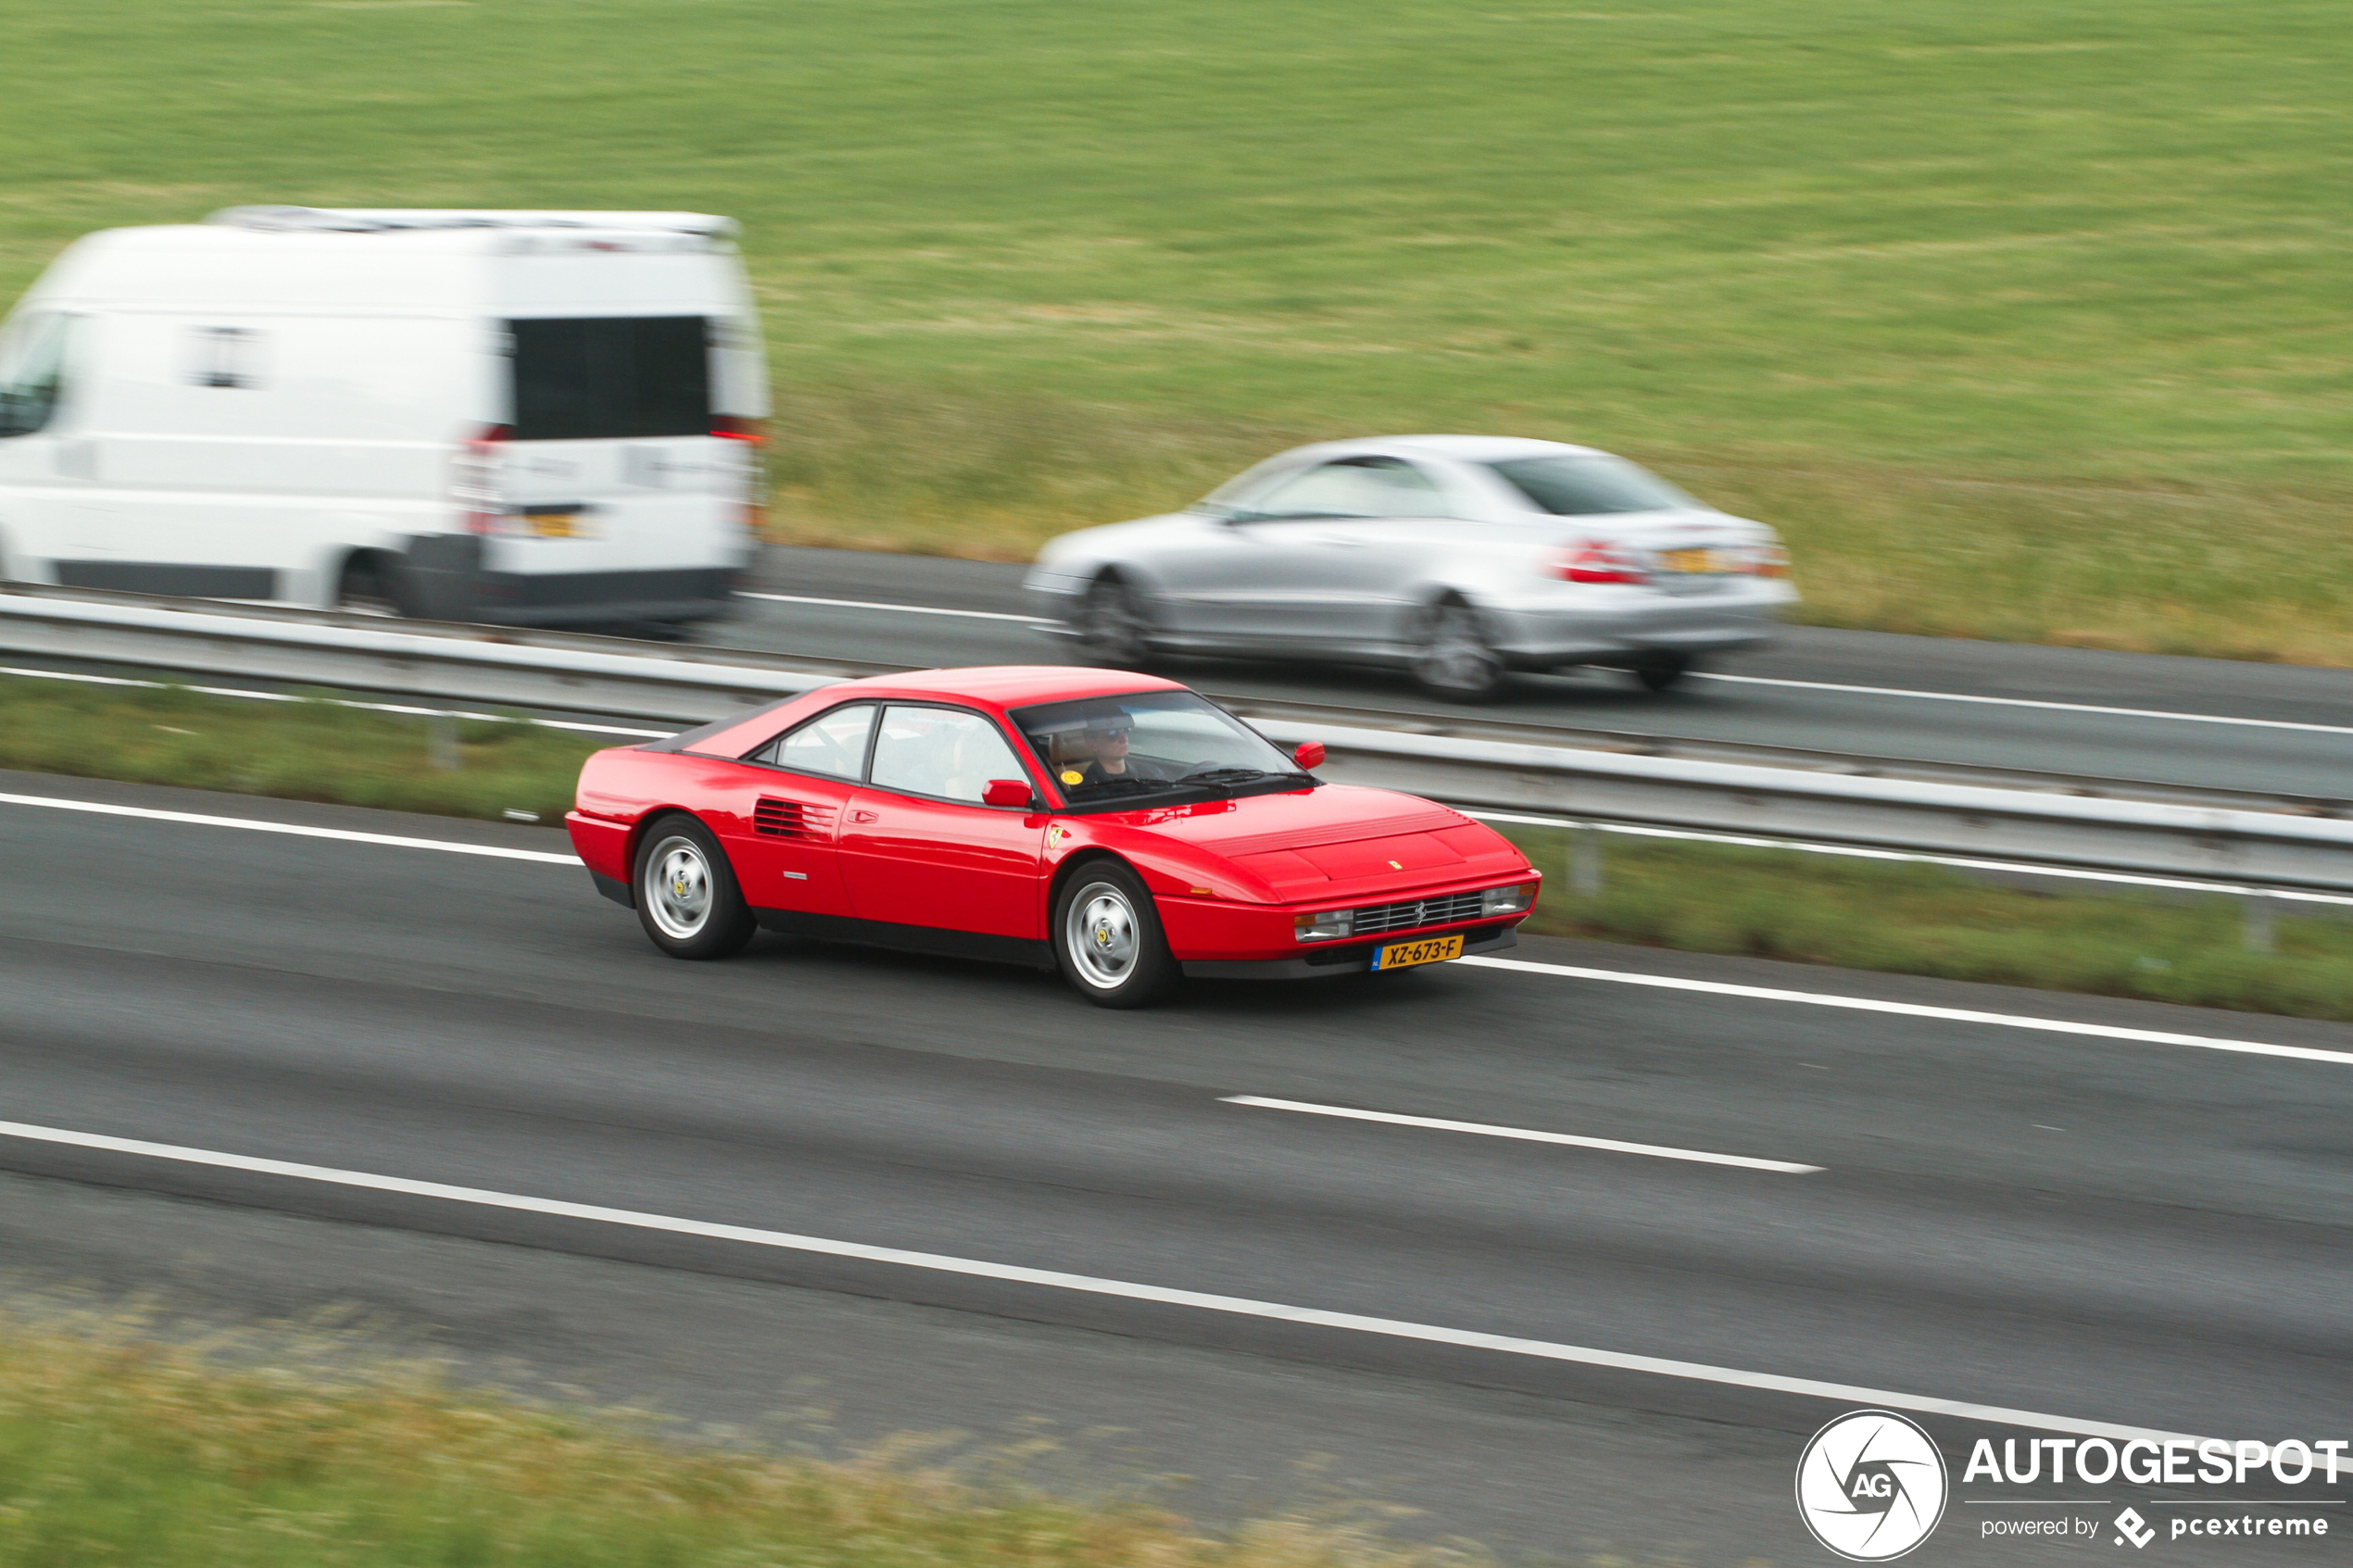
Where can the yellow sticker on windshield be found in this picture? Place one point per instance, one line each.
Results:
(1071, 776)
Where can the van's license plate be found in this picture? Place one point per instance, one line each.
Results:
(555, 525)
(1434, 949)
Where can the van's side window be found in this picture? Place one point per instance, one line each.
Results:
(224, 357)
(607, 377)
(33, 372)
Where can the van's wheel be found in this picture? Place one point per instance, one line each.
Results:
(1111, 626)
(1452, 656)
(687, 899)
(1107, 937)
(1660, 671)
(365, 588)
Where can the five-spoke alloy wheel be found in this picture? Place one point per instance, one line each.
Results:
(1107, 937)
(1452, 656)
(1111, 626)
(686, 895)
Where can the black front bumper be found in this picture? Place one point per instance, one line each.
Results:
(1346, 958)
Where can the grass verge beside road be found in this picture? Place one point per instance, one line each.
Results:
(1711, 898)
(115, 1449)
(2021, 318)
(1914, 919)
(308, 750)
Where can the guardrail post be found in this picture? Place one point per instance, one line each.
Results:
(2256, 932)
(1585, 862)
(441, 743)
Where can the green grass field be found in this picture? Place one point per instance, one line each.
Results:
(2025, 318)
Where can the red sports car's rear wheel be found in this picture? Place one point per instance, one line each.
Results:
(1107, 937)
(687, 899)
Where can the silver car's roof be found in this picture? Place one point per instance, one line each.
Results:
(1463, 449)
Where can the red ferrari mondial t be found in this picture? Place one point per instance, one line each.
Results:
(1121, 828)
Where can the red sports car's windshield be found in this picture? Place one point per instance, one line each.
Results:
(1150, 744)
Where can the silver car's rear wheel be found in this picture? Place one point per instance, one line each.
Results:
(1111, 626)
(1452, 656)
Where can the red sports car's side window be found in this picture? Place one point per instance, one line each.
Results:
(833, 744)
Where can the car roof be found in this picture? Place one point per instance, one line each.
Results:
(1484, 448)
(1005, 685)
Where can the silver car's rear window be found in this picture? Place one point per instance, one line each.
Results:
(1585, 486)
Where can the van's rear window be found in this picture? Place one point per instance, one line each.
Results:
(597, 377)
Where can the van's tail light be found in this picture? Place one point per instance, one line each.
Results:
(1766, 561)
(1597, 562)
(754, 433)
(474, 478)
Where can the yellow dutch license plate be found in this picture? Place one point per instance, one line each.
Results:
(1433, 949)
(556, 525)
(1690, 560)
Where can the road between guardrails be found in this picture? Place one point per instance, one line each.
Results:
(2296, 847)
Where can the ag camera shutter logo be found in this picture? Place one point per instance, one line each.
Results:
(1871, 1485)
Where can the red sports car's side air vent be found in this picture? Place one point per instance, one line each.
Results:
(791, 818)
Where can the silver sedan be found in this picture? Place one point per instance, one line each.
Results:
(1457, 557)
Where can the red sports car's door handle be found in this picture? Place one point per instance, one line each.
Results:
(862, 816)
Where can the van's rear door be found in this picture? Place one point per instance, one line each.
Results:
(617, 494)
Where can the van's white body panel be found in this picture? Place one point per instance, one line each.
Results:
(244, 408)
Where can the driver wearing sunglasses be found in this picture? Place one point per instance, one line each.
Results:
(1096, 753)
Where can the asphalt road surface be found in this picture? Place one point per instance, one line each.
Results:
(2118, 1230)
(2215, 722)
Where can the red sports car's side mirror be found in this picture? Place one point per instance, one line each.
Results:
(1006, 791)
(1310, 755)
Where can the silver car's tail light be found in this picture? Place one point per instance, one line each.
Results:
(1768, 560)
(1597, 562)
(1508, 901)
(1329, 925)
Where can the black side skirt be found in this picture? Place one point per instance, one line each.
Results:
(614, 889)
(908, 938)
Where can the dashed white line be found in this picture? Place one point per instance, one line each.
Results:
(1527, 1134)
(1914, 1009)
(1237, 1306)
(904, 609)
(296, 830)
(2028, 702)
(337, 702)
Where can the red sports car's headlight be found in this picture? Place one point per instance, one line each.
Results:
(1508, 901)
(1329, 925)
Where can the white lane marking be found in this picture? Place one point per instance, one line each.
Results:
(1621, 977)
(906, 610)
(1914, 1009)
(1748, 841)
(1236, 1305)
(338, 702)
(496, 852)
(1613, 1145)
(2028, 702)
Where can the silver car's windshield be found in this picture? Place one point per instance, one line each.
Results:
(1150, 744)
(1585, 486)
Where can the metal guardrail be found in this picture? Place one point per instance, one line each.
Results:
(2291, 845)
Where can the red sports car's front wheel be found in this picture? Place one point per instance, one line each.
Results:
(687, 899)
(1107, 937)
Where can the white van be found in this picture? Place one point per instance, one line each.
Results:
(532, 417)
